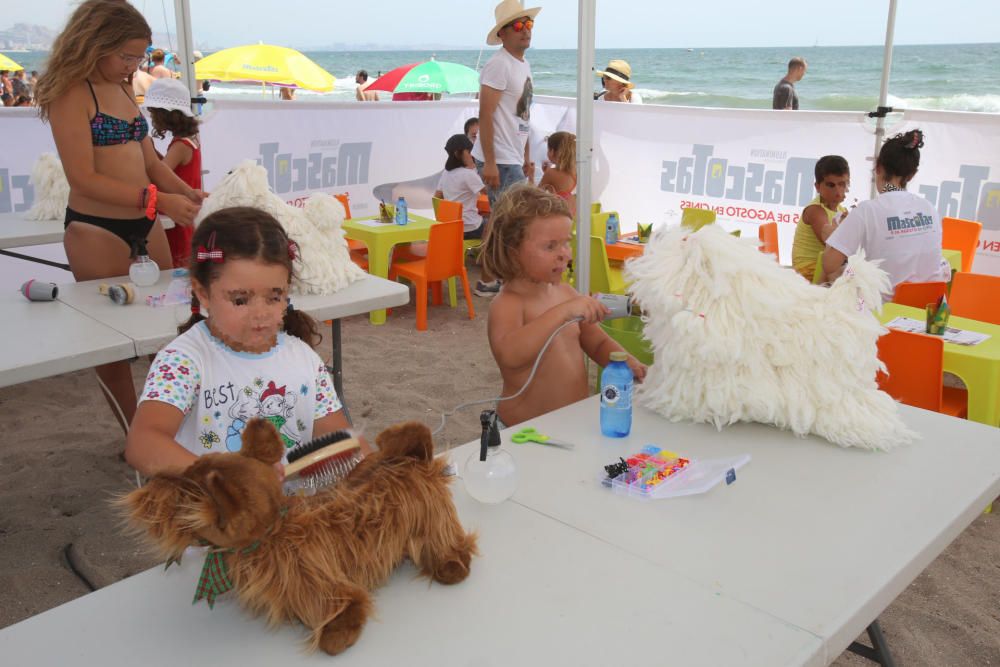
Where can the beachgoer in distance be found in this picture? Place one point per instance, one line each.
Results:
(502, 151)
(251, 357)
(286, 93)
(505, 94)
(158, 70)
(361, 92)
(898, 227)
(822, 215)
(6, 85)
(559, 175)
(617, 81)
(141, 81)
(784, 96)
(22, 101)
(461, 183)
(169, 105)
(19, 86)
(471, 129)
(109, 160)
(7, 99)
(528, 247)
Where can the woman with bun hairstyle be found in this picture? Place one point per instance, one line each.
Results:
(899, 228)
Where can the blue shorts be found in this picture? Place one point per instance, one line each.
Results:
(509, 175)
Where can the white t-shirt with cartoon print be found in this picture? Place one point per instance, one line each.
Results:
(512, 77)
(219, 390)
(901, 229)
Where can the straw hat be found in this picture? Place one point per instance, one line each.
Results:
(620, 71)
(169, 94)
(507, 11)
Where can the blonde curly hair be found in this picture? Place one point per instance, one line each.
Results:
(517, 207)
(97, 28)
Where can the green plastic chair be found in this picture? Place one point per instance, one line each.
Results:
(818, 272)
(627, 332)
(696, 218)
(603, 278)
(599, 222)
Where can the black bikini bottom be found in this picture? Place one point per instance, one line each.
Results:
(128, 231)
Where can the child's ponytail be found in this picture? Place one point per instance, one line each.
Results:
(302, 326)
(196, 315)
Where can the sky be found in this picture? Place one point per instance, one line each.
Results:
(400, 24)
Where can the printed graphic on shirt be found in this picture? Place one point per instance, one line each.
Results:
(523, 109)
(899, 225)
(273, 403)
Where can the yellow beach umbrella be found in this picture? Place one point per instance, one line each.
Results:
(264, 63)
(8, 64)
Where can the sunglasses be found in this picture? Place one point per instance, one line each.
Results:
(131, 61)
(519, 25)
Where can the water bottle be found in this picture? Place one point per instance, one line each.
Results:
(144, 271)
(401, 218)
(616, 397)
(611, 230)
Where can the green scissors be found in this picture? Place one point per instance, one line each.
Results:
(531, 435)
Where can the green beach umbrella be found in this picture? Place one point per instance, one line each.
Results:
(432, 76)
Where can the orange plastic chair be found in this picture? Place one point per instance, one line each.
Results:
(919, 295)
(976, 296)
(914, 363)
(358, 249)
(961, 235)
(445, 259)
(768, 235)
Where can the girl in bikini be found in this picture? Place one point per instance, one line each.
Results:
(117, 183)
(560, 175)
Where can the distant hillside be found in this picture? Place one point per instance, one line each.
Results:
(24, 36)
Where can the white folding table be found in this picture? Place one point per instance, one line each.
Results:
(45, 338)
(151, 327)
(16, 231)
(822, 537)
(541, 593)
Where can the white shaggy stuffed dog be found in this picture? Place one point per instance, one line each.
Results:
(51, 189)
(736, 337)
(324, 263)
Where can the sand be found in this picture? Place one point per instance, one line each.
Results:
(63, 464)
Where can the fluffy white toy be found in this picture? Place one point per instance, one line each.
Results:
(736, 337)
(324, 263)
(51, 189)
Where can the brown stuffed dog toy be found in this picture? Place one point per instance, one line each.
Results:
(308, 559)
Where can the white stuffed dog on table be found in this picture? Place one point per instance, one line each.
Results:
(324, 262)
(737, 337)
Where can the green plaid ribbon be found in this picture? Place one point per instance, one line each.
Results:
(214, 579)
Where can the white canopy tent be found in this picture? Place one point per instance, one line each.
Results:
(584, 108)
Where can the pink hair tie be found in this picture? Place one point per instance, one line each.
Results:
(293, 250)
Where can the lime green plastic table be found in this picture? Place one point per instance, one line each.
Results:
(381, 239)
(977, 365)
(954, 258)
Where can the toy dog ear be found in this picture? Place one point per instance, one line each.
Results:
(262, 442)
(411, 439)
(220, 498)
(154, 510)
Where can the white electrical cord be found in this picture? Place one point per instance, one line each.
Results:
(531, 376)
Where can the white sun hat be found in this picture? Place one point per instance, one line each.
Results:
(168, 94)
(505, 12)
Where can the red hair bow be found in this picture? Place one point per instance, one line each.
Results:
(205, 255)
(293, 250)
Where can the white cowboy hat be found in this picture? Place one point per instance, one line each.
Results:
(620, 71)
(507, 11)
(169, 94)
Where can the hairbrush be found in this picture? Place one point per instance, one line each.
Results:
(322, 461)
(121, 293)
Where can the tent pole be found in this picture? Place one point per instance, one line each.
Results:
(584, 140)
(185, 46)
(883, 95)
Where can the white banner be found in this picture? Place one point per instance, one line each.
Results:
(25, 137)
(960, 173)
(749, 166)
(365, 150)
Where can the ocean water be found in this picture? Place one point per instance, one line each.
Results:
(963, 77)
